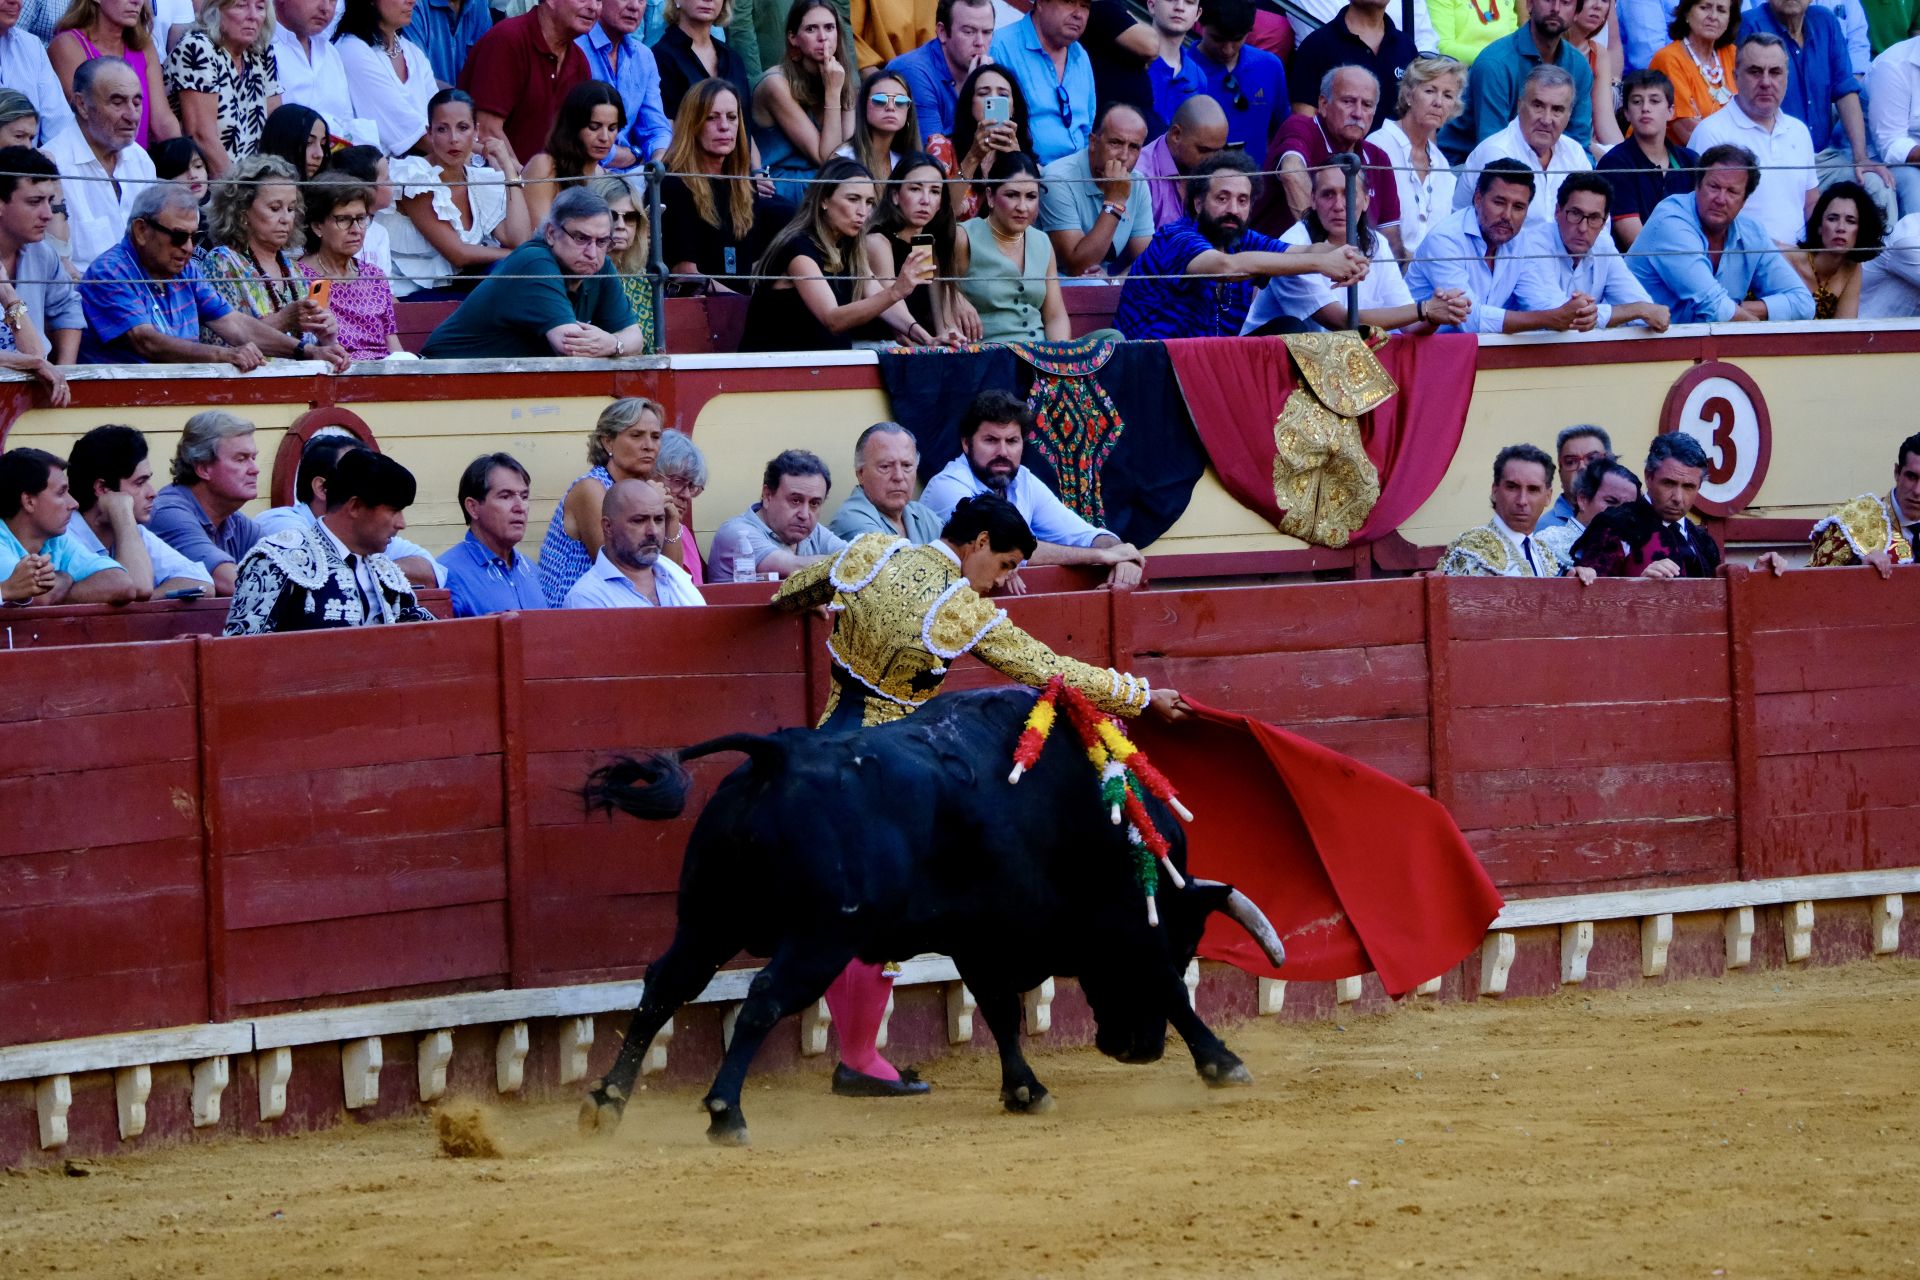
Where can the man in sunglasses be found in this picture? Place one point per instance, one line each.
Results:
(146, 300)
(556, 295)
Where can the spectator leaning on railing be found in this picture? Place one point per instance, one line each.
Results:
(215, 472)
(913, 204)
(255, 216)
(40, 563)
(112, 481)
(40, 312)
(1569, 257)
(1476, 251)
(1704, 260)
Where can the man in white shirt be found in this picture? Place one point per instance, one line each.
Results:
(112, 480)
(1890, 284)
(1893, 116)
(630, 572)
(1569, 256)
(1789, 179)
(24, 66)
(1536, 137)
(992, 440)
(311, 73)
(1476, 251)
(99, 154)
(1504, 547)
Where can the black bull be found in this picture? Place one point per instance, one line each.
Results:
(887, 842)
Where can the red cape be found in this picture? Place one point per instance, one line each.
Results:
(1358, 871)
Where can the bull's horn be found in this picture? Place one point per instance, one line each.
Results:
(1239, 907)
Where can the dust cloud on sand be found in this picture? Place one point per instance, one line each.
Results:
(1764, 1125)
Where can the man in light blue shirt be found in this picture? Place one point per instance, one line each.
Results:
(963, 32)
(992, 440)
(447, 30)
(1569, 256)
(1095, 207)
(39, 563)
(618, 57)
(24, 66)
(1673, 255)
(886, 462)
(1042, 51)
(630, 572)
(485, 571)
(1473, 250)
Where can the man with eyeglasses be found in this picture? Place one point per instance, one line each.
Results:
(556, 295)
(1569, 258)
(146, 299)
(1250, 84)
(1042, 51)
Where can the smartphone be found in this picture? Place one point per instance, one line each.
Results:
(184, 593)
(321, 291)
(922, 241)
(997, 111)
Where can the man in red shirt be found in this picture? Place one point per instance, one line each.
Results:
(1302, 144)
(520, 70)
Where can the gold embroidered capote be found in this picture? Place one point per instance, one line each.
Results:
(1322, 477)
(905, 612)
(1484, 552)
(1855, 530)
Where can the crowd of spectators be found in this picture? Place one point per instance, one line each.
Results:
(91, 528)
(265, 181)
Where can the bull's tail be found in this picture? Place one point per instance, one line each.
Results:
(654, 784)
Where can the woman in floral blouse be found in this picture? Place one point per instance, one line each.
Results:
(223, 80)
(628, 253)
(339, 211)
(251, 222)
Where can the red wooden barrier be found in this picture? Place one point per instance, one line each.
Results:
(102, 909)
(78, 624)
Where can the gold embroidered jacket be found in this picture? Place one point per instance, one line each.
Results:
(1856, 529)
(1484, 552)
(905, 612)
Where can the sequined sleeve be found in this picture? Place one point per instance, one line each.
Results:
(1831, 548)
(808, 589)
(1003, 646)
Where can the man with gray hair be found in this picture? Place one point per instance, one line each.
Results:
(216, 471)
(1655, 536)
(886, 462)
(556, 295)
(1575, 447)
(1536, 137)
(1340, 124)
(105, 170)
(630, 572)
(1782, 144)
(1493, 90)
(146, 299)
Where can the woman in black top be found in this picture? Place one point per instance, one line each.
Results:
(811, 295)
(687, 53)
(713, 222)
(915, 204)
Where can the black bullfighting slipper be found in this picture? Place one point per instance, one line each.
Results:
(849, 1083)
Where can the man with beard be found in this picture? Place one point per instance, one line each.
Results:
(1493, 90)
(781, 534)
(1704, 259)
(1473, 251)
(1198, 275)
(630, 572)
(1655, 536)
(992, 440)
(485, 571)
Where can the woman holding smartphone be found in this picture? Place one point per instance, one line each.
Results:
(810, 297)
(991, 121)
(913, 212)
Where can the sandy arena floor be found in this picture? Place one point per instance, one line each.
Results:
(1767, 1125)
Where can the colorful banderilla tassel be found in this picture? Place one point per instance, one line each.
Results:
(1039, 725)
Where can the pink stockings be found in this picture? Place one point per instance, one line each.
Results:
(857, 1000)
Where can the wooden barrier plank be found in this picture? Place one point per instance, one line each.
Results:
(554, 779)
(255, 668)
(1855, 597)
(1838, 657)
(332, 880)
(1488, 609)
(99, 624)
(1222, 621)
(563, 644)
(1555, 672)
(58, 878)
(1285, 688)
(367, 953)
(1600, 734)
(1650, 850)
(1832, 780)
(55, 684)
(152, 994)
(633, 711)
(81, 744)
(1070, 624)
(345, 728)
(368, 803)
(1617, 793)
(1398, 748)
(600, 939)
(601, 859)
(64, 810)
(1837, 720)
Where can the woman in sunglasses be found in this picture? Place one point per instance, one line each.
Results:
(339, 211)
(628, 254)
(803, 109)
(886, 128)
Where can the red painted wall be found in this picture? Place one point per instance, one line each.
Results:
(395, 812)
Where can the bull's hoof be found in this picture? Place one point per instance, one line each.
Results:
(726, 1127)
(1226, 1074)
(600, 1111)
(1028, 1100)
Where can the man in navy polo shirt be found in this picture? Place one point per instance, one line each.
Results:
(485, 571)
(1359, 35)
(1249, 84)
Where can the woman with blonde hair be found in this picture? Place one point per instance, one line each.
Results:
(688, 53)
(222, 81)
(803, 110)
(1432, 92)
(628, 253)
(115, 29)
(624, 445)
(255, 214)
(709, 213)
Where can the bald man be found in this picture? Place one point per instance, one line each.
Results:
(630, 572)
(1199, 129)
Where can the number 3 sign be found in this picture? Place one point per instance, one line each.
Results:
(1719, 405)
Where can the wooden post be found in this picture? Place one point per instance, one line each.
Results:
(1747, 819)
(510, 1058)
(131, 1088)
(513, 778)
(431, 1057)
(1440, 692)
(360, 1063)
(273, 1067)
(210, 1078)
(212, 832)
